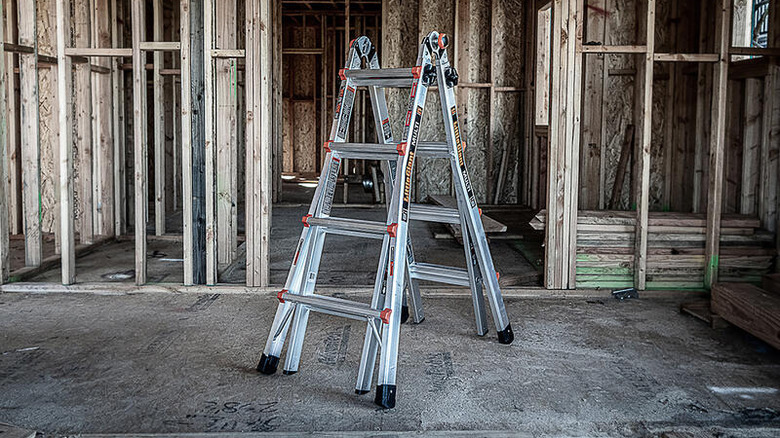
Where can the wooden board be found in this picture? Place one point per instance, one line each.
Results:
(489, 224)
(749, 308)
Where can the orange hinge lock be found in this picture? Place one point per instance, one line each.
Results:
(342, 75)
(385, 316)
(391, 229)
(279, 295)
(326, 146)
(305, 220)
(401, 148)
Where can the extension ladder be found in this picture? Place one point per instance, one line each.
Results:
(397, 268)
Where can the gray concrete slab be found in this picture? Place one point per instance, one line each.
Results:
(181, 363)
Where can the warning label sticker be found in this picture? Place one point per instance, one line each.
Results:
(346, 106)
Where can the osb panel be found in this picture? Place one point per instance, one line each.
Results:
(306, 67)
(49, 144)
(433, 175)
(477, 139)
(305, 136)
(621, 22)
(508, 49)
(478, 50)
(657, 155)
(619, 93)
(288, 164)
(619, 109)
(507, 136)
(48, 119)
(399, 50)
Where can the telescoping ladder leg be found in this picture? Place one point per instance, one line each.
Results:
(398, 216)
(321, 203)
(467, 203)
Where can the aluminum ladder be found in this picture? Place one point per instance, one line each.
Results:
(397, 268)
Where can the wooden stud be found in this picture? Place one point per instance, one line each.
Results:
(64, 90)
(258, 78)
(102, 129)
(30, 147)
(83, 118)
(563, 159)
(4, 233)
(226, 83)
(717, 145)
(118, 109)
(209, 147)
(643, 158)
(186, 145)
(159, 122)
(139, 141)
(201, 176)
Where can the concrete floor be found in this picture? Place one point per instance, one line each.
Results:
(347, 260)
(176, 363)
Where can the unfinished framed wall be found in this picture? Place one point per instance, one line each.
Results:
(654, 148)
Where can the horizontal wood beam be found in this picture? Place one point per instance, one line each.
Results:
(228, 53)
(611, 49)
(755, 51)
(686, 57)
(98, 52)
(156, 46)
(303, 51)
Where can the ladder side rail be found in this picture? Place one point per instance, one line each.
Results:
(339, 132)
(467, 202)
(321, 202)
(399, 215)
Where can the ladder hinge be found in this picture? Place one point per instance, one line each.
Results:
(391, 229)
(401, 148)
(280, 295)
(385, 315)
(443, 41)
(342, 75)
(305, 220)
(326, 146)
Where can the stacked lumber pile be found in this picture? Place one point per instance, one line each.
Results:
(675, 254)
(755, 310)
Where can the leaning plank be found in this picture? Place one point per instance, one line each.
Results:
(31, 151)
(210, 151)
(489, 224)
(749, 308)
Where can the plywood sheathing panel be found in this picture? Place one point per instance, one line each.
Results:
(399, 49)
(300, 79)
(433, 175)
(619, 106)
(48, 118)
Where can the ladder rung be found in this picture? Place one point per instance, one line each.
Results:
(336, 306)
(434, 213)
(348, 227)
(365, 151)
(440, 274)
(382, 77)
(378, 151)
